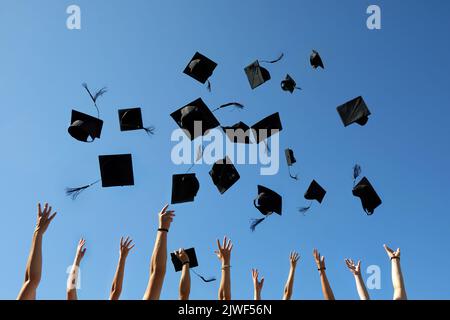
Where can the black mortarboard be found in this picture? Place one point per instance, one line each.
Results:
(131, 119)
(184, 187)
(267, 202)
(290, 159)
(289, 84)
(316, 60)
(116, 170)
(84, 126)
(194, 112)
(238, 133)
(193, 263)
(354, 111)
(369, 198)
(200, 68)
(272, 125)
(224, 174)
(315, 192)
(256, 74)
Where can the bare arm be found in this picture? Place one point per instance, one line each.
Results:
(224, 255)
(288, 288)
(159, 256)
(71, 289)
(33, 271)
(326, 289)
(397, 276)
(360, 286)
(185, 280)
(116, 288)
(257, 285)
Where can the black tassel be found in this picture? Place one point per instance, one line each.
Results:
(206, 280)
(295, 177)
(208, 85)
(267, 147)
(274, 61)
(94, 97)
(254, 223)
(304, 209)
(236, 105)
(75, 192)
(356, 172)
(149, 130)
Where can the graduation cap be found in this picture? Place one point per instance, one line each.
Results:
(316, 60)
(256, 74)
(193, 263)
(314, 192)
(267, 202)
(290, 159)
(200, 68)
(83, 126)
(196, 111)
(369, 197)
(353, 111)
(131, 119)
(184, 187)
(289, 84)
(265, 128)
(238, 133)
(115, 171)
(224, 174)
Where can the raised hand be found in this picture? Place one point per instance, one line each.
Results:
(44, 217)
(354, 268)
(294, 258)
(258, 285)
(391, 253)
(165, 218)
(81, 250)
(182, 256)
(125, 246)
(224, 250)
(320, 260)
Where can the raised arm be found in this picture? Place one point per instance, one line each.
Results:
(185, 280)
(326, 289)
(356, 271)
(33, 271)
(73, 275)
(224, 255)
(116, 288)
(288, 288)
(159, 256)
(257, 285)
(397, 276)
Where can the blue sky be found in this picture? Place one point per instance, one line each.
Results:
(138, 49)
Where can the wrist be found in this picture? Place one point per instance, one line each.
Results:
(163, 229)
(38, 232)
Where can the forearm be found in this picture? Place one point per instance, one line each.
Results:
(256, 294)
(397, 281)
(34, 264)
(225, 283)
(326, 289)
(116, 288)
(288, 288)
(361, 288)
(185, 283)
(71, 288)
(157, 268)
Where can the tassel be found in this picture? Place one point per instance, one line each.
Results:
(208, 85)
(356, 172)
(274, 61)
(149, 130)
(206, 280)
(75, 192)
(254, 223)
(236, 105)
(267, 147)
(295, 177)
(94, 97)
(304, 209)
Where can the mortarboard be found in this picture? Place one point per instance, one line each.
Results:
(354, 111)
(369, 198)
(184, 187)
(316, 60)
(200, 68)
(224, 174)
(271, 125)
(115, 171)
(84, 126)
(256, 74)
(238, 133)
(289, 84)
(267, 202)
(131, 119)
(290, 159)
(194, 112)
(314, 192)
(193, 263)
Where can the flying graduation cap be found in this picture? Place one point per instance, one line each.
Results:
(131, 119)
(290, 159)
(258, 75)
(267, 202)
(365, 191)
(224, 174)
(267, 127)
(184, 187)
(83, 126)
(289, 84)
(316, 60)
(314, 192)
(354, 111)
(201, 69)
(115, 171)
(193, 263)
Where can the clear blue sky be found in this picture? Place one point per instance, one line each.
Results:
(139, 49)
